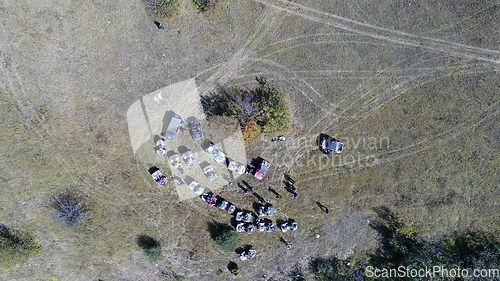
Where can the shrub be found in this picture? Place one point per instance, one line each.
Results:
(263, 109)
(16, 247)
(251, 131)
(227, 240)
(163, 9)
(224, 236)
(234, 268)
(151, 247)
(153, 254)
(71, 210)
(202, 5)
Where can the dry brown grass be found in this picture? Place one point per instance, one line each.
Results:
(70, 72)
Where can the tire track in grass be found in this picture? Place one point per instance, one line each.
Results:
(323, 98)
(378, 106)
(226, 71)
(327, 113)
(286, 73)
(373, 99)
(426, 141)
(374, 43)
(286, 164)
(59, 148)
(438, 45)
(421, 146)
(401, 153)
(460, 22)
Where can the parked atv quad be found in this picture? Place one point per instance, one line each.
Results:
(244, 216)
(216, 153)
(176, 162)
(328, 144)
(248, 254)
(158, 176)
(196, 131)
(189, 158)
(209, 172)
(279, 138)
(196, 188)
(245, 227)
(210, 198)
(288, 225)
(237, 167)
(260, 170)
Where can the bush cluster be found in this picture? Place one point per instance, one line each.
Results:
(153, 254)
(264, 109)
(400, 246)
(202, 5)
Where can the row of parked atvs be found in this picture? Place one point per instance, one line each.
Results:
(247, 221)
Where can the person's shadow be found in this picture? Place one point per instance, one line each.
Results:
(323, 207)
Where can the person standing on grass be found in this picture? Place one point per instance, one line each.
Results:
(287, 245)
(293, 190)
(291, 180)
(159, 25)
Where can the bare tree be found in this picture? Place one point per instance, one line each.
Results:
(71, 211)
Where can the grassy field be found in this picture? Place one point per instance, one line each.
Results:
(411, 85)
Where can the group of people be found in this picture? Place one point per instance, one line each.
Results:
(290, 186)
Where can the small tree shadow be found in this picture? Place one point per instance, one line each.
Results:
(232, 266)
(147, 242)
(256, 162)
(215, 228)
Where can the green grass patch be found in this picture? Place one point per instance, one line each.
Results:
(153, 254)
(224, 236)
(16, 247)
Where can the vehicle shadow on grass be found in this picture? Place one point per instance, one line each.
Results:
(167, 117)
